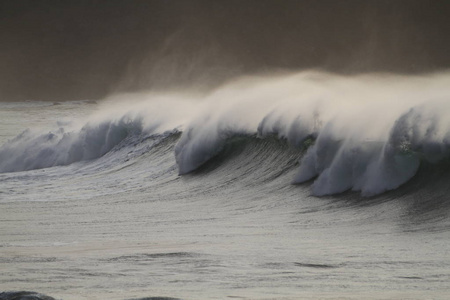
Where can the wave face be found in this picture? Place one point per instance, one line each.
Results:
(367, 133)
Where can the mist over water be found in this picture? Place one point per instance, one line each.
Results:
(56, 50)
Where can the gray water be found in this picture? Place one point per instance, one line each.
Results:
(126, 225)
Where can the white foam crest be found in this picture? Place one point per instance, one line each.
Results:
(371, 131)
(236, 108)
(383, 149)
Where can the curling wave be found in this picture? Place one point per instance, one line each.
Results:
(363, 134)
(368, 133)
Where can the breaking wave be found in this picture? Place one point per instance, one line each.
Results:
(367, 133)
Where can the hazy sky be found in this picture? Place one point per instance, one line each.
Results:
(56, 50)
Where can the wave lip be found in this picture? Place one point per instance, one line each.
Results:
(367, 134)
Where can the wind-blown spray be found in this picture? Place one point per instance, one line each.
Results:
(366, 133)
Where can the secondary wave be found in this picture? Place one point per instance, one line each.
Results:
(112, 127)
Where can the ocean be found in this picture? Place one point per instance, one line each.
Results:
(306, 185)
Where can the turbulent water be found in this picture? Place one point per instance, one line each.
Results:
(306, 185)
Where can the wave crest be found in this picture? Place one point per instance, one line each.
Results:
(29, 151)
(366, 133)
(362, 134)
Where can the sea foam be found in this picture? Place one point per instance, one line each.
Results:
(367, 133)
(370, 132)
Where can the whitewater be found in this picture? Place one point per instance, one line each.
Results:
(306, 185)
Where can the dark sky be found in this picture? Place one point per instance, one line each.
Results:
(58, 50)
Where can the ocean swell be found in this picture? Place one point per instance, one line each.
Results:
(367, 133)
